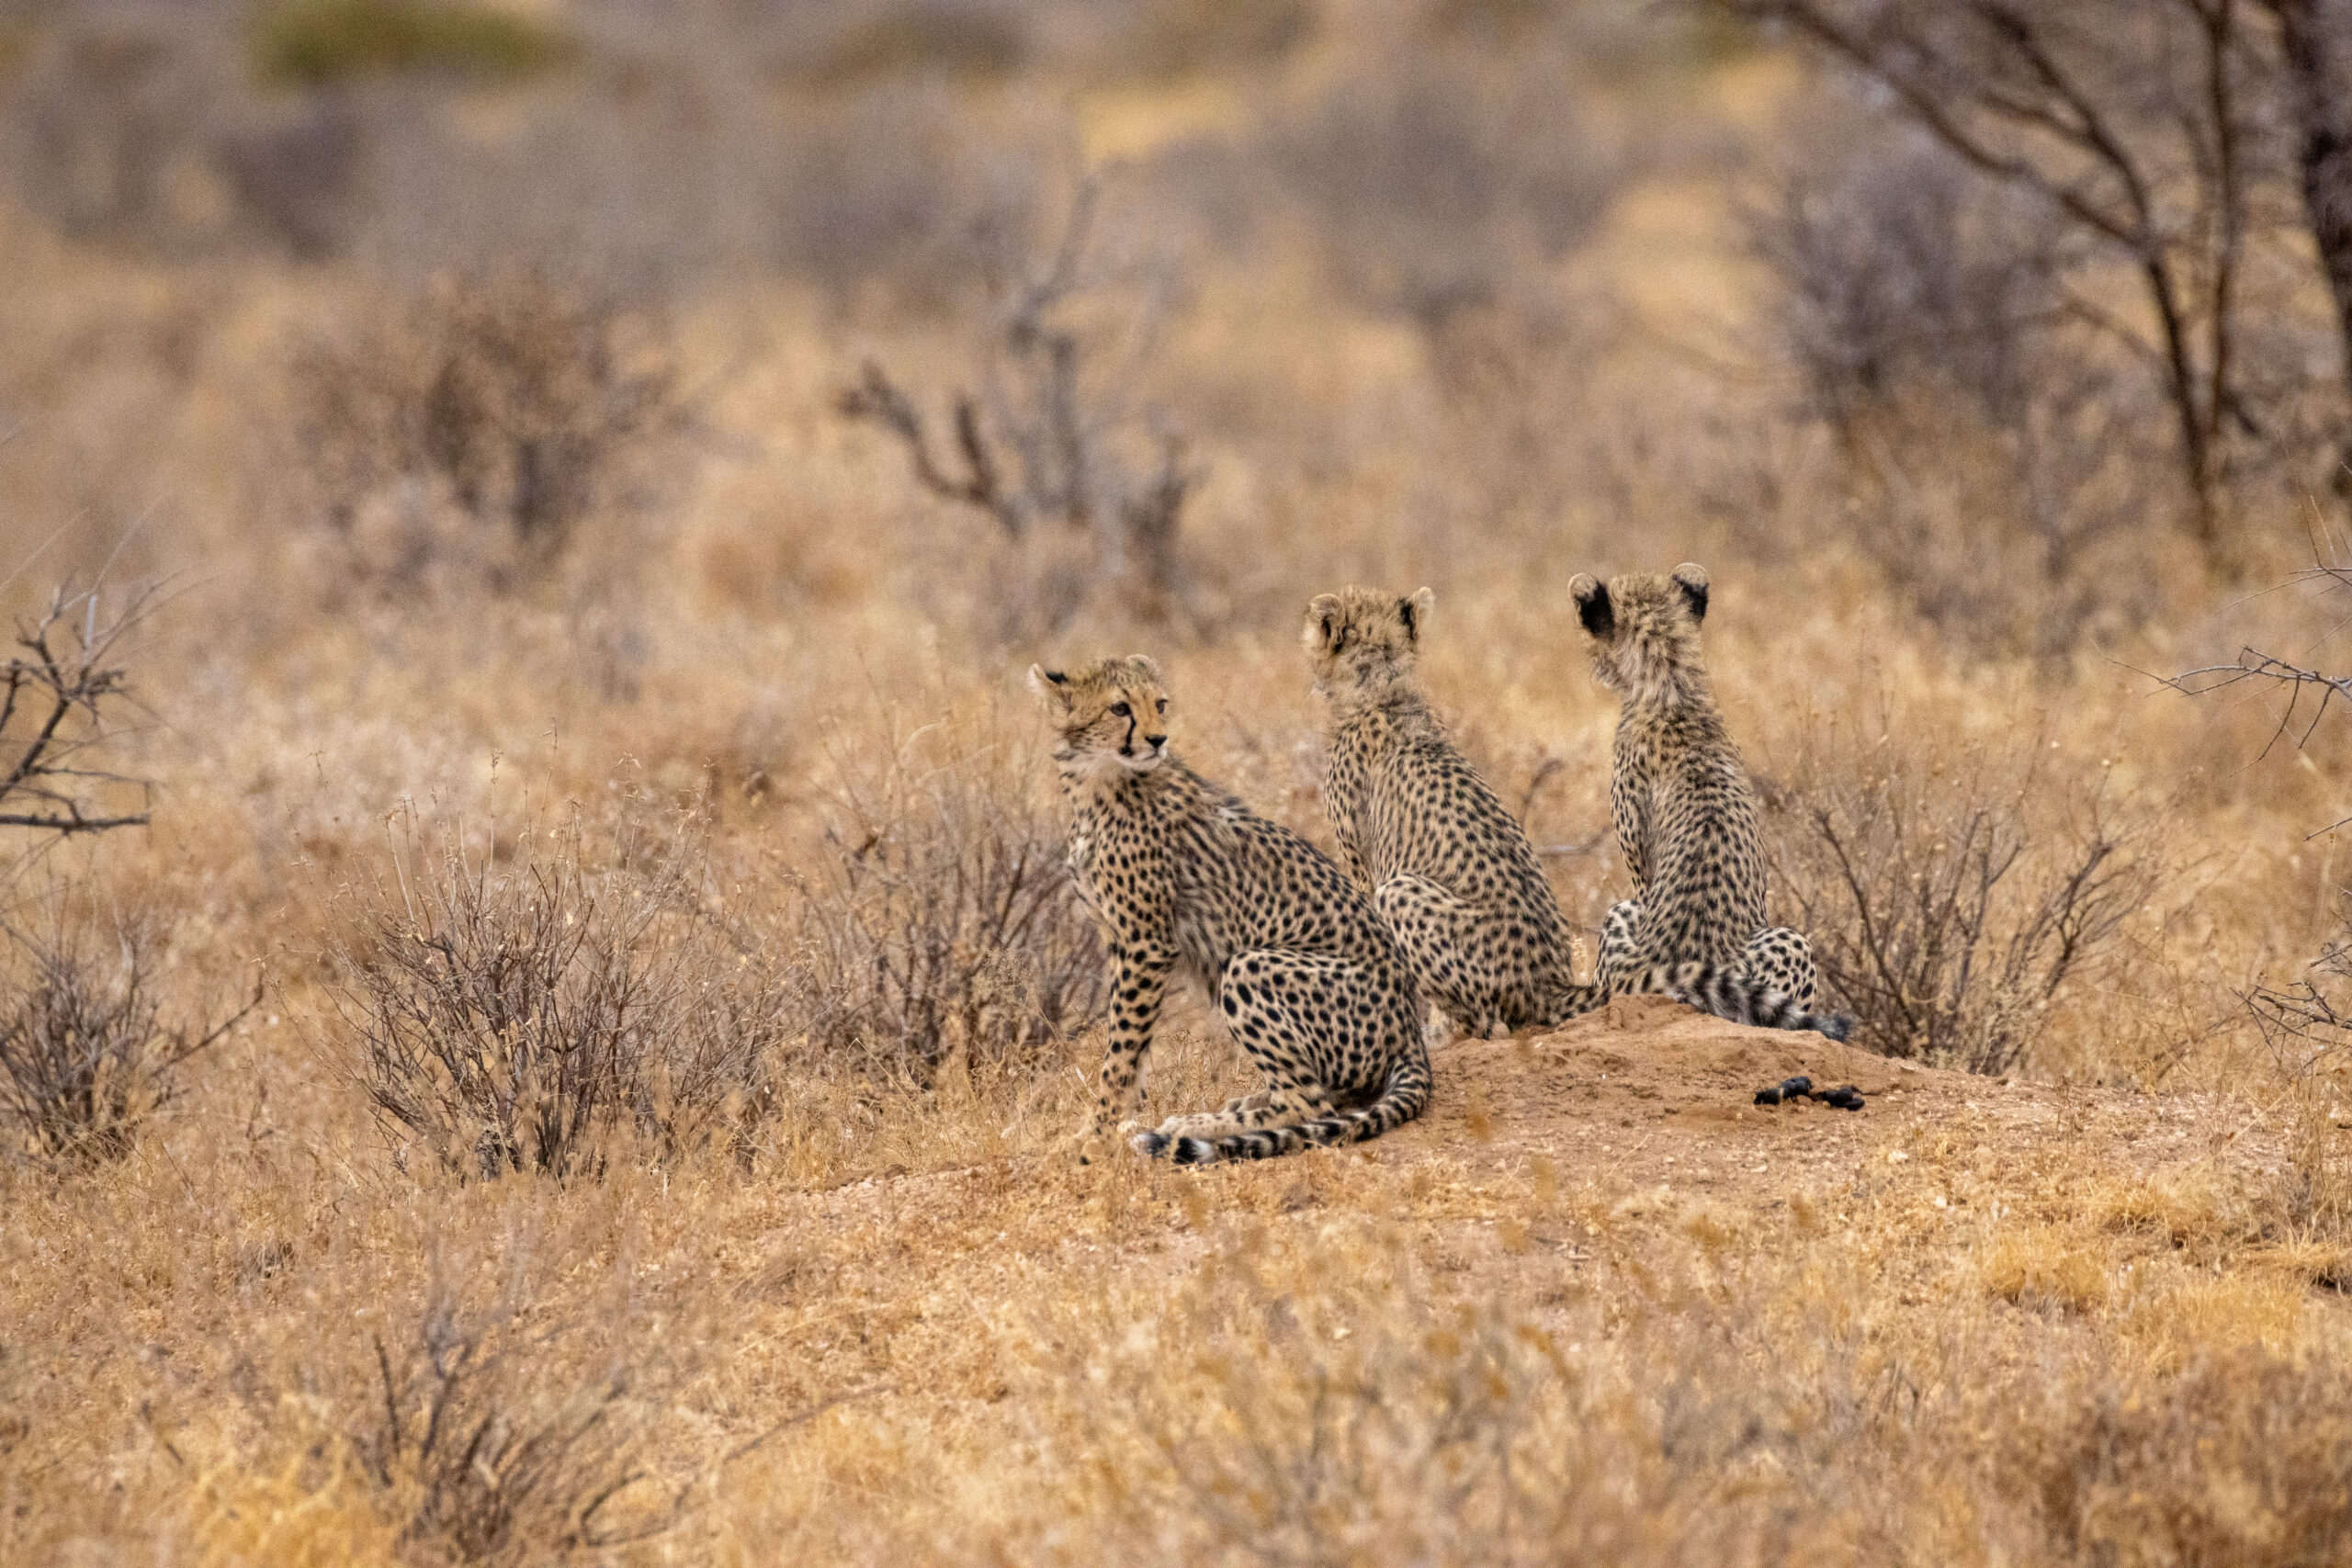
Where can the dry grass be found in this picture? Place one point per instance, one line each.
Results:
(646, 1149)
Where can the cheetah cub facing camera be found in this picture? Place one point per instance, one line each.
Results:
(1684, 810)
(1180, 876)
(1448, 866)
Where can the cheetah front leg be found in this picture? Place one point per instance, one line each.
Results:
(1138, 984)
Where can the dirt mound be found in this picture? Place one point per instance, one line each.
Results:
(1651, 1057)
(1649, 1090)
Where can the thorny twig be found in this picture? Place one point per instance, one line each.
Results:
(60, 682)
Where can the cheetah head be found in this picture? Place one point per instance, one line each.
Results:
(1360, 639)
(1111, 713)
(1645, 628)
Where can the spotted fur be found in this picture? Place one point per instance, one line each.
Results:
(1182, 877)
(1684, 810)
(1449, 867)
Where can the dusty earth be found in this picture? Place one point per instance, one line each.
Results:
(1543, 1158)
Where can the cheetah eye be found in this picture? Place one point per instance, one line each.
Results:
(1121, 710)
(1163, 705)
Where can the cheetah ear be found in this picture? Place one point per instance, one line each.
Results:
(1692, 580)
(1323, 623)
(1600, 617)
(1415, 611)
(1052, 685)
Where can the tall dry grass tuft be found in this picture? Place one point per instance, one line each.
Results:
(2238, 1461)
(487, 1443)
(1953, 894)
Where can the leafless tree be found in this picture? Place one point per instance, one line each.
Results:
(1045, 443)
(2139, 121)
(2316, 45)
(59, 694)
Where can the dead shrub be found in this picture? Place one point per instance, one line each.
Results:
(2306, 1025)
(1996, 453)
(132, 127)
(938, 923)
(467, 433)
(509, 1018)
(1951, 899)
(1054, 444)
(106, 129)
(1431, 186)
(488, 1441)
(86, 1056)
(2307, 1022)
(61, 696)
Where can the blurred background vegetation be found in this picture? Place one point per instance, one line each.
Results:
(600, 467)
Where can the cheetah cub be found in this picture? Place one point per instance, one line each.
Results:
(1180, 876)
(1684, 810)
(1449, 868)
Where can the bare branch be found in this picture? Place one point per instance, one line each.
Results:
(62, 674)
(1050, 438)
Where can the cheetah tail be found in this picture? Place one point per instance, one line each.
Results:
(1405, 1096)
(1732, 993)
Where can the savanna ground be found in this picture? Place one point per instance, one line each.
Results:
(598, 751)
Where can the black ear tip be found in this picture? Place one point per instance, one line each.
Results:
(1057, 678)
(1593, 607)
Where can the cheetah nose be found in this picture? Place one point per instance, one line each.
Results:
(1156, 740)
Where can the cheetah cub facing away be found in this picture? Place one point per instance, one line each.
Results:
(1684, 810)
(1181, 876)
(1449, 868)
